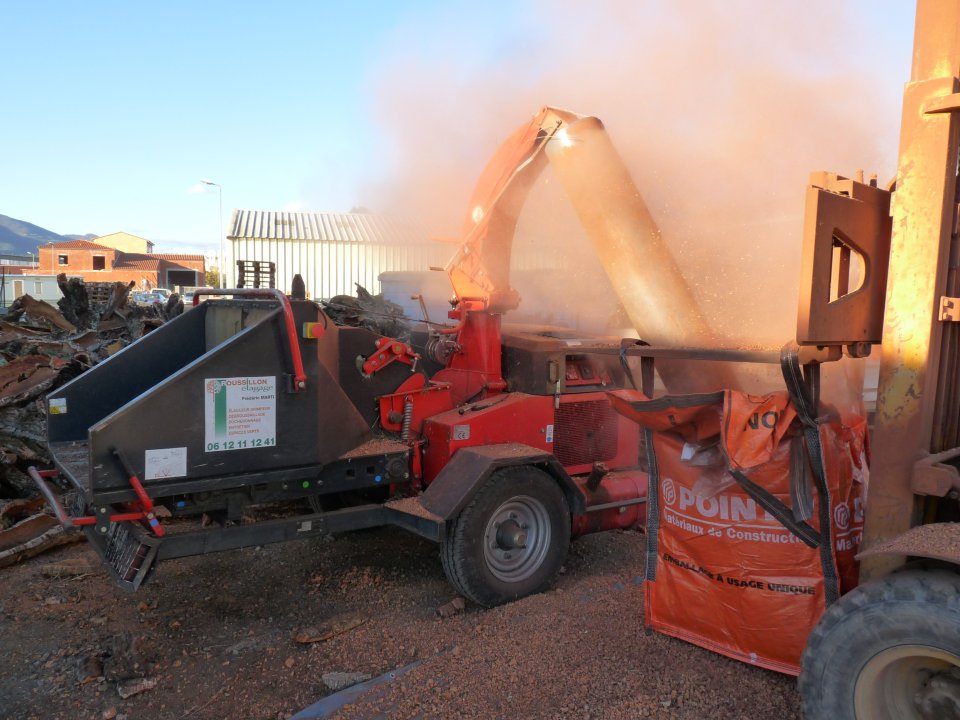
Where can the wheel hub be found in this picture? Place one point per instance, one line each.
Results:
(909, 682)
(940, 696)
(517, 538)
(511, 535)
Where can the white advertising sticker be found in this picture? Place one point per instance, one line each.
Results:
(240, 413)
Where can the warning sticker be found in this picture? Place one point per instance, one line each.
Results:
(240, 413)
(58, 406)
(165, 463)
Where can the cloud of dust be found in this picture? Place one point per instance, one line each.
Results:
(720, 110)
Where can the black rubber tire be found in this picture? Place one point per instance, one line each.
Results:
(910, 608)
(462, 552)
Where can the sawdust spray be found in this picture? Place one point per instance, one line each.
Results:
(720, 111)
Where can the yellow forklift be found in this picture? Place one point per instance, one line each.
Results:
(890, 649)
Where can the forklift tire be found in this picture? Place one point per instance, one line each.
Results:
(888, 650)
(511, 538)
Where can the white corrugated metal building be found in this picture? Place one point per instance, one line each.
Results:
(332, 251)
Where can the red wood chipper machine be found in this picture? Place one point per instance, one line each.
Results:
(497, 442)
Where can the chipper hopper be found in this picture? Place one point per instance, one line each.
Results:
(236, 401)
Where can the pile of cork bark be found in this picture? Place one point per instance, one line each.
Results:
(41, 348)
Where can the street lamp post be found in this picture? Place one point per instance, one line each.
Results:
(219, 188)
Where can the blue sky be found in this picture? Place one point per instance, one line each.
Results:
(115, 110)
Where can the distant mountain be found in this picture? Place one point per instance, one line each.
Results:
(18, 237)
(89, 236)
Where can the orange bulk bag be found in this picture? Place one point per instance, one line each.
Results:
(753, 519)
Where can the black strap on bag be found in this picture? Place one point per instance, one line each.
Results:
(801, 482)
(653, 506)
(793, 519)
(777, 509)
(804, 392)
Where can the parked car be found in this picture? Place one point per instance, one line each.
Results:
(145, 299)
(188, 297)
(162, 293)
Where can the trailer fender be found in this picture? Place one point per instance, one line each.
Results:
(934, 541)
(471, 467)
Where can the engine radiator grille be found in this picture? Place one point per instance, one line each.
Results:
(585, 432)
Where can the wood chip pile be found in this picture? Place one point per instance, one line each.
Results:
(41, 348)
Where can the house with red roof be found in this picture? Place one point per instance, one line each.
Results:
(99, 263)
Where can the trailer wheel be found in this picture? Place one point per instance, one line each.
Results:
(888, 650)
(510, 540)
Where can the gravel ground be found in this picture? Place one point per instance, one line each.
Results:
(214, 637)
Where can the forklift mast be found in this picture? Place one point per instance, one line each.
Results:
(917, 427)
(888, 649)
